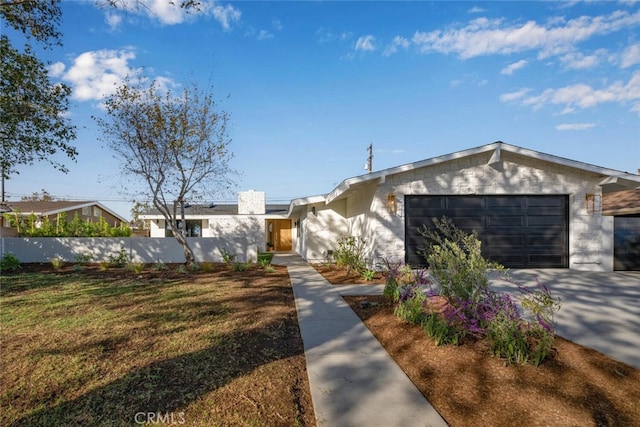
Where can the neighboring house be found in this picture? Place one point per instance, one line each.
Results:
(246, 228)
(88, 211)
(531, 210)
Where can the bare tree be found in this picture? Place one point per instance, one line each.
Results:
(177, 144)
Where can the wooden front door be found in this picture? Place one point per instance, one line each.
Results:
(280, 231)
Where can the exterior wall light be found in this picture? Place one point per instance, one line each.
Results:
(392, 204)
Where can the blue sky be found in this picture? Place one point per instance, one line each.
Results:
(310, 85)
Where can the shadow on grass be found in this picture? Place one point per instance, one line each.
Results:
(171, 385)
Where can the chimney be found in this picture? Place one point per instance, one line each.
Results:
(251, 203)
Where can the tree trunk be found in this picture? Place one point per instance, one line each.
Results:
(188, 252)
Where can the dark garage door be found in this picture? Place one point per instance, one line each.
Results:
(516, 231)
(626, 243)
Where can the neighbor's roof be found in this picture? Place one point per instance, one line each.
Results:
(56, 206)
(612, 179)
(215, 209)
(621, 203)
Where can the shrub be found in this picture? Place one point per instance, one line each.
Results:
(9, 262)
(56, 263)
(206, 267)
(227, 256)
(465, 303)
(160, 266)
(350, 253)
(119, 259)
(456, 261)
(136, 267)
(369, 275)
(240, 266)
(411, 302)
(264, 262)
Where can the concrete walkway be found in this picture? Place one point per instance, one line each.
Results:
(353, 380)
(600, 310)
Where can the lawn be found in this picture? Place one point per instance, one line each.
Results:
(118, 347)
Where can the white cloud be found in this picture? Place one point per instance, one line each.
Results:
(575, 126)
(511, 68)
(169, 12)
(277, 24)
(264, 34)
(113, 20)
(226, 15)
(580, 61)
(483, 36)
(365, 43)
(56, 69)
(476, 9)
(398, 42)
(326, 35)
(631, 56)
(514, 96)
(581, 96)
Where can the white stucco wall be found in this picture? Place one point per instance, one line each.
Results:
(590, 234)
(321, 230)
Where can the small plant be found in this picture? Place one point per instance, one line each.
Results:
(120, 259)
(104, 265)
(227, 256)
(136, 267)
(350, 253)
(240, 266)
(369, 275)
(269, 268)
(56, 263)
(84, 258)
(181, 269)
(264, 262)
(207, 267)
(9, 262)
(194, 266)
(81, 261)
(160, 266)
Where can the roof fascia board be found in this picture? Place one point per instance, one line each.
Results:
(303, 201)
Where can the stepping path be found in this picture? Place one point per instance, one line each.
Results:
(353, 380)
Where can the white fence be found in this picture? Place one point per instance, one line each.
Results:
(139, 249)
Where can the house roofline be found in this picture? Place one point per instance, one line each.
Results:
(497, 148)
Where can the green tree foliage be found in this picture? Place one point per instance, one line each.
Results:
(174, 143)
(32, 226)
(33, 123)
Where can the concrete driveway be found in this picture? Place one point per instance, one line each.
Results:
(599, 310)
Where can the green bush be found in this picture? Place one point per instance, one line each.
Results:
(350, 253)
(9, 262)
(456, 261)
(32, 226)
(119, 259)
(227, 256)
(240, 266)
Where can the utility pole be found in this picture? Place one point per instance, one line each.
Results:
(369, 165)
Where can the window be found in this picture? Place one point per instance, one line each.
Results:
(97, 212)
(86, 210)
(194, 228)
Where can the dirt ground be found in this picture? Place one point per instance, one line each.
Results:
(578, 386)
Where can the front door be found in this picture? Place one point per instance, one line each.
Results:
(279, 234)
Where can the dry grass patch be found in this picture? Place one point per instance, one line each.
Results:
(96, 347)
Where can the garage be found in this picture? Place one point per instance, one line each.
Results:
(626, 242)
(524, 231)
